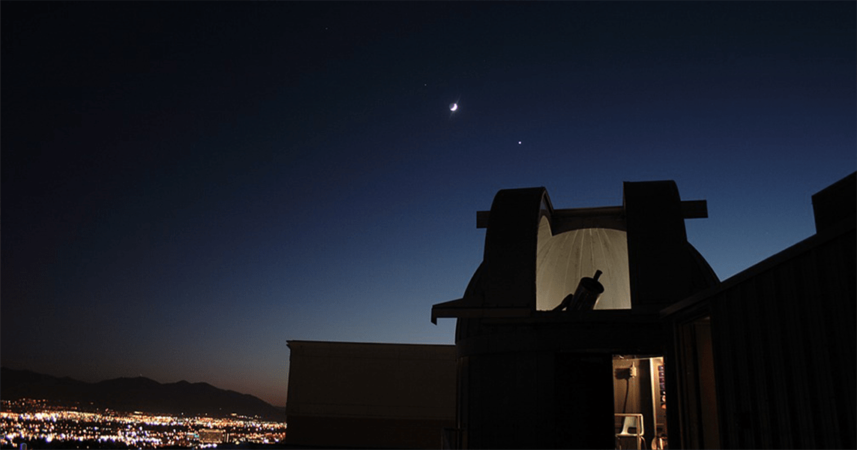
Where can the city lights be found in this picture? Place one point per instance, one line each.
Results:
(29, 420)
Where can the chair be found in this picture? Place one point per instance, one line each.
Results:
(632, 426)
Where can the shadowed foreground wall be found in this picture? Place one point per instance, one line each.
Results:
(370, 395)
(785, 345)
(783, 340)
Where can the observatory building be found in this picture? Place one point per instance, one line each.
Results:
(532, 375)
(605, 328)
(651, 350)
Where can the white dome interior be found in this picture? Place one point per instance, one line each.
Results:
(564, 259)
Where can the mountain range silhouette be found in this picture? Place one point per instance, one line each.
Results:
(135, 394)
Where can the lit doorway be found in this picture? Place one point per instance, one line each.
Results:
(639, 402)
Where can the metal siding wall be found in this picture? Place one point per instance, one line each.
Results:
(817, 351)
(842, 284)
(778, 371)
(784, 343)
(794, 399)
(727, 379)
(757, 424)
(751, 367)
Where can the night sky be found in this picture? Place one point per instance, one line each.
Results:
(187, 186)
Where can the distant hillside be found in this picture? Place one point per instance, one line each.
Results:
(135, 394)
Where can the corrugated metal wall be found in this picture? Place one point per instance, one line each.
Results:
(785, 345)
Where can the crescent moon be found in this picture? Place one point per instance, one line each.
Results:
(453, 106)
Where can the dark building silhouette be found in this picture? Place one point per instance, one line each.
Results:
(533, 377)
(669, 355)
(766, 359)
(360, 395)
(604, 328)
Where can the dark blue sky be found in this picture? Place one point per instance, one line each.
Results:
(186, 186)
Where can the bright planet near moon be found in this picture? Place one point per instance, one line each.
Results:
(453, 106)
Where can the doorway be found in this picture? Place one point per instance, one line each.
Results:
(639, 402)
